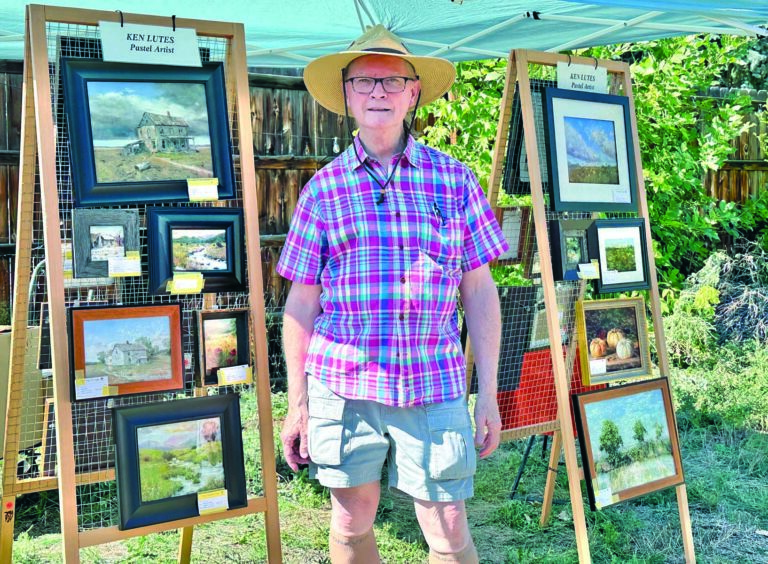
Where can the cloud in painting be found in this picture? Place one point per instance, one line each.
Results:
(590, 142)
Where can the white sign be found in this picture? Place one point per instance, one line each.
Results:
(598, 366)
(87, 388)
(212, 502)
(589, 78)
(234, 375)
(149, 44)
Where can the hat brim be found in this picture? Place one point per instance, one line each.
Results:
(323, 77)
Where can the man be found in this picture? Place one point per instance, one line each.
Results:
(380, 241)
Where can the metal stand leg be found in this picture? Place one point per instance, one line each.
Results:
(523, 462)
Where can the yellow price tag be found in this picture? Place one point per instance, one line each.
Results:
(214, 501)
(203, 189)
(186, 283)
(109, 391)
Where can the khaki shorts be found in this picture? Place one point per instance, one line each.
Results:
(429, 449)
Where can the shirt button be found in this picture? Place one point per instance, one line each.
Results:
(397, 214)
(401, 316)
(401, 247)
(402, 280)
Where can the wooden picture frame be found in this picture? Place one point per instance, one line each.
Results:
(97, 235)
(148, 438)
(570, 247)
(216, 238)
(613, 340)
(223, 340)
(620, 430)
(149, 360)
(516, 225)
(591, 161)
(143, 152)
(620, 247)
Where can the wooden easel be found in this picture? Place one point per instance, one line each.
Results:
(562, 428)
(38, 148)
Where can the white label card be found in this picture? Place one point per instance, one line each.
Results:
(622, 196)
(234, 375)
(212, 502)
(598, 366)
(91, 387)
(149, 44)
(588, 271)
(603, 498)
(203, 191)
(124, 266)
(588, 78)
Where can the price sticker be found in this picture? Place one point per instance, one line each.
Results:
(214, 501)
(203, 189)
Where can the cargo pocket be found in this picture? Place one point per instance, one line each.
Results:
(325, 427)
(451, 449)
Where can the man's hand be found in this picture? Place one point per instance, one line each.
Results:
(487, 424)
(294, 437)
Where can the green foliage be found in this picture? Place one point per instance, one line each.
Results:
(510, 275)
(639, 431)
(611, 442)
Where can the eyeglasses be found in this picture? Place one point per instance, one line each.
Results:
(390, 84)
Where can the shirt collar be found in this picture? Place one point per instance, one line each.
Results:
(409, 154)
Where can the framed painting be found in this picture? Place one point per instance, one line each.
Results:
(223, 341)
(516, 225)
(98, 235)
(138, 132)
(206, 240)
(591, 153)
(613, 340)
(620, 247)
(628, 440)
(169, 453)
(566, 295)
(570, 246)
(125, 350)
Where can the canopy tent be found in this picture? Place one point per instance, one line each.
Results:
(292, 32)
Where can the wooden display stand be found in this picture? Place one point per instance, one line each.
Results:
(562, 427)
(39, 150)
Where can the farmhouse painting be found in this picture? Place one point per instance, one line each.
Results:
(128, 350)
(181, 458)
(107, 241)
(147, 131)
(591, 149)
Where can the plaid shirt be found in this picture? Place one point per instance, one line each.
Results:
(389, 273)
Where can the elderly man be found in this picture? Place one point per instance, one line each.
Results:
(381, 240)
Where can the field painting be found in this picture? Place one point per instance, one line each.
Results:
(128, 350)
(220, 343)
(149, 131)
(591, 151)
(199, 250)
(629, 440)
(180, 458)
(107, 241)
(620, 255)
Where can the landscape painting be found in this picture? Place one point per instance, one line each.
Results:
(220, 343)
(107, 241)
(591, 151)
(128, 350)
(199, 250)
(180, 458)
(620, 255)
(631, 448)
(148, 131)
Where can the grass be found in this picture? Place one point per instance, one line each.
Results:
(726, 472)
(111, 166)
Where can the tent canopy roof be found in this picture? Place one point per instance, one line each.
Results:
(292, 32)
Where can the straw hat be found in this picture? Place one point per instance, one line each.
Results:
(323, 75)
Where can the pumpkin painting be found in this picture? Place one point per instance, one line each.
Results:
(597, 348)
(614, 336)
(624, 349)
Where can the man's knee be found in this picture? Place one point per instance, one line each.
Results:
(444, 525)
(354, 509)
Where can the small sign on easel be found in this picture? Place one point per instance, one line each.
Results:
(149, 44)
(589, 78)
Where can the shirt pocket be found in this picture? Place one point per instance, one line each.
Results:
(326, 424)
(440, 239)
(451, 447)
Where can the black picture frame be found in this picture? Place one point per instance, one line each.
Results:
(589, 109)
(84, 221)
(161, 223)
(205, 374)
(562, 234)
(87, 189)
(133, 424)
(624, 230)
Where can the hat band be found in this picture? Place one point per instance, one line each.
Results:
(386, 50)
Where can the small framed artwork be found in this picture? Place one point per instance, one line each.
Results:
(223, 342)
(168, 454)
(206, 240)
(566, 295)
(516, 225)
(125, 350)
(628, 440)
(569, 240)
(620, 247)
(138, 132)
(99, 235)
(48, 448)
(591, 153)
(532, 263)
(613, 340)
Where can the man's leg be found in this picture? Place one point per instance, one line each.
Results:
(445, 527)
(353, 511)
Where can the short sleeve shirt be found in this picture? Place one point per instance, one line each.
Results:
(389, 272)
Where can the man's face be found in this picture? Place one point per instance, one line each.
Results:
(380, 109)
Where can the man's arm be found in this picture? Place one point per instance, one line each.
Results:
(482, 315)
(301, 309)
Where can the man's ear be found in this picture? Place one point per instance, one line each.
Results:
(415, 93)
